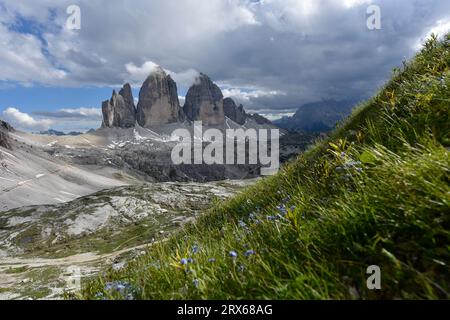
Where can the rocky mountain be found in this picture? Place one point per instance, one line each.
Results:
(119, 111)
(4, 137)
(317, 116)
(238, 114)
(158, 101)
(259, 119)
(159, 105)
(233, 112)
(52, 132)
(204, 101)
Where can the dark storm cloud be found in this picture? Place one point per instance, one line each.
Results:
(269, 55)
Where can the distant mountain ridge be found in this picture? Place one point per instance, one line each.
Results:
(317, 116)
(52, 132)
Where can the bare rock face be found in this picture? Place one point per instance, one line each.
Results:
(4, 138)
(233, 112)
(119, 111)
(158, 101)
(259, 119)
(204, 101)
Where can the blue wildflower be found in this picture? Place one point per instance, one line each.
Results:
(242, 224)
(249, 253)
(190, 260)
(195, 282)
(211, 260)
(271, 218)
(233, 254)
(184, 261)
(122, 288)
(195, 249)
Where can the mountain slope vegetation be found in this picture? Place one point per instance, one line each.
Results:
(376, 192)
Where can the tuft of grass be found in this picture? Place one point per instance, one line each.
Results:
(375, 193)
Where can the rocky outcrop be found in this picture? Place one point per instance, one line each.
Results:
(159, 104)
(233, 112)
(158, 101)
(4, 137)
(120, 111)
(204, 101)
(238, 114)
(259, 119)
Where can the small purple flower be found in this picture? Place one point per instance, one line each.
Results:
(195, 282)
(195, 249)
(184, 261)
(233, 254)
(271, 218)
(190, 260)
(211, 260)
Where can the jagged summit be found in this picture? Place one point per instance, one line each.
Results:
(159, 104)
(119, 111)
(158, 100)
(232, 111)
(204, 101)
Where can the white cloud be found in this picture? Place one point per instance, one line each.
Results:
(352, 3)
(24, 120)
(440, 28)
(85, 112)
(22, 60)
(246, 95)
(276, 116)
(185, 78)
(139, 74)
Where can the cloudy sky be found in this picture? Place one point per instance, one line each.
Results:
(271, 55)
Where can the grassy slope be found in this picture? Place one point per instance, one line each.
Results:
(376, 192)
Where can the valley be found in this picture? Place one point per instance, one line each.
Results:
(41, 247)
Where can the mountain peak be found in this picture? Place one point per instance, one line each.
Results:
(158, 100)
(204, 101)
(119, 111)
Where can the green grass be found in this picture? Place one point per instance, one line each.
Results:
(375, 193)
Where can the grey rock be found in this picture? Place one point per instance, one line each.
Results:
(233, 112)
(119, 111)
(259, 119)
(238, 114)
(158, 101)
(4, 137)
(204, 101)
